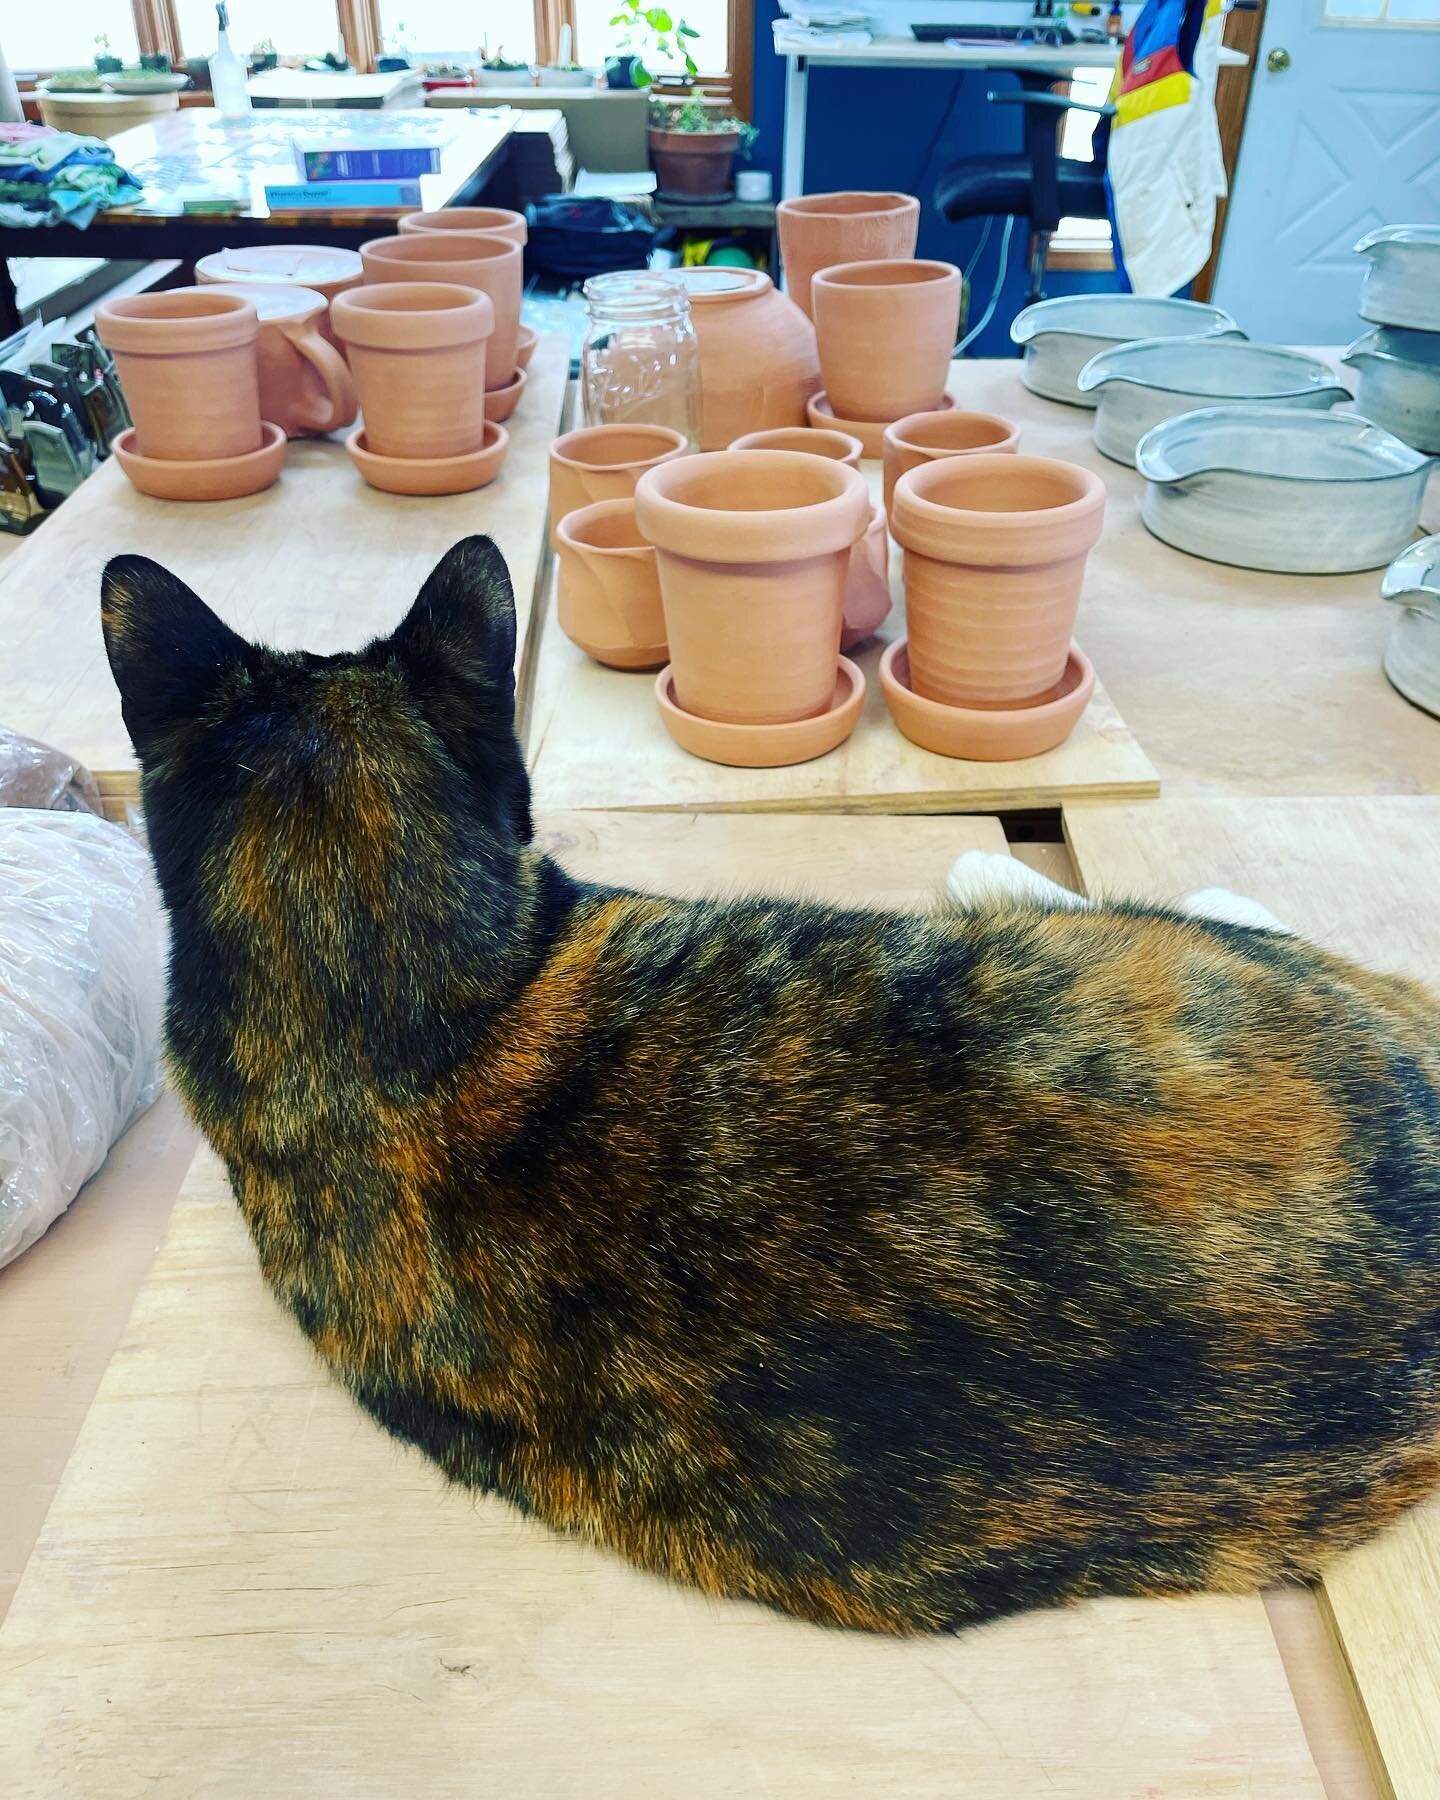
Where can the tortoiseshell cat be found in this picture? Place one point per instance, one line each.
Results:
(895, 1271)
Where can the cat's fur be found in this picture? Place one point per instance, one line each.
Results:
(895, 1271)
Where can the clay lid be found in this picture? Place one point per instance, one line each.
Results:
(713, 287)
(176, 322)
(271, 300)
(412, 315)
(301, 265)
(998, 510)
(469, 218)
(440, 248)
(750, 506)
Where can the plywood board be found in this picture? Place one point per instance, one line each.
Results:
(244, 1588)
(1234, 681)
(319, 562)
(596, 740)
(1359, 876)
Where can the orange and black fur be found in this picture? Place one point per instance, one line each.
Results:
(895, 1271)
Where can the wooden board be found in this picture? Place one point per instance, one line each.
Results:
(244, 1588)
(1359, 876)
(596, 740)
(320, 561)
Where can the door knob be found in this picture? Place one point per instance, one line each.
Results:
(1277, 61)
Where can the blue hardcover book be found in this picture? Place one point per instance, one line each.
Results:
(287, 196)
(380, 160)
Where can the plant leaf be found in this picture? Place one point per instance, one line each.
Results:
(691, 66)
(659, 20)
(687, 30)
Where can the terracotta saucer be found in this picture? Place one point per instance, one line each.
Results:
(979, 734)
(765, 746)
(871, 432)
(221, 478)
(431, 474)
(501, 402)
(525, 341)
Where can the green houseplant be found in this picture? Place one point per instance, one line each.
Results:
(648, 31)
(499, 71)
(692, 147)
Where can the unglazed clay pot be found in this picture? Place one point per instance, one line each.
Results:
(820, 230)
(986, 734)
(995, 550)
(186, 360)
(498, 221)
(608, 591)
(886, 333)
(305, 387)
(754, 550)
(320, 268)
(489, 265)
(417, 352)
(758, 364)
(929, 436)
(836, 444)
(603, 462)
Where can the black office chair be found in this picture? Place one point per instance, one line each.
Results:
(1035, 183)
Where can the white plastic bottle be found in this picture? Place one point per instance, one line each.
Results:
(228, 80)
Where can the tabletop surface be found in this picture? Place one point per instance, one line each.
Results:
(898, 52)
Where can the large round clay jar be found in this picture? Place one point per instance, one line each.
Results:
(758, 361)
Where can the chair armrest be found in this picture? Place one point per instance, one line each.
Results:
(1056, 102)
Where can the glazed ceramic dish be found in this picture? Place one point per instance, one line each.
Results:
(1399, 383)
(1299, 493)
(1412, 657)
(1402, 281)
(1140, 384)
(1060, 336)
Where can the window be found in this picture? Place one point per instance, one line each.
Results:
(446, 30)
(296, 27)
(63, 37)
(596, 38)
(1076, 132)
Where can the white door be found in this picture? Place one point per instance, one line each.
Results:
(1342, 135)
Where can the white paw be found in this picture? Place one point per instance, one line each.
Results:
(1232, 909)
(978, 876)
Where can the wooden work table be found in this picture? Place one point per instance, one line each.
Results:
(242, 1587)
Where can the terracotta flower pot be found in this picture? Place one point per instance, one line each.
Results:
(497, 221)
(693, 165)
(995, 550)
(186, 360)
(867, 584)
(754, 550)
(603, 462)
(608, 591)
(305, 387)
(417, 351)
(489, 265)
(886, 332)
(820, 230)
(930, 436)
(838, 445)
(758, 363)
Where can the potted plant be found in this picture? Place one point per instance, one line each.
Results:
(264, 56)
(106, 61)
(436, 75)
(564, 75)
(654, 32)
(499, 71)
(692, 147)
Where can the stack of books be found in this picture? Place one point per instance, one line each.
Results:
(369, 172)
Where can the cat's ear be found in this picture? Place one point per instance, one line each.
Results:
(463, 619)
(168, 652)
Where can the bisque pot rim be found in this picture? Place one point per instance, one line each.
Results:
(141, 325)
(869, 276)
(286, 304)
(827, 525)
(854, 449)
(438, 222)
(412, 315)
(580, 517)
(430, 247)
(821, 206)
(895, 432)
(729, 285)
(344, 265)
(561, 447)
(912, 506)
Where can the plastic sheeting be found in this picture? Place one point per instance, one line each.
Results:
(81, 996)
(32, 774)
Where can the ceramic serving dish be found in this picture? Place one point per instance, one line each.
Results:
(1412, 657)
(1399, 385)
(1263, 487)
(1402, 281)
(1137, 385)
(1060, 336)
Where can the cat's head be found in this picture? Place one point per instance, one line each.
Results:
(417, 724)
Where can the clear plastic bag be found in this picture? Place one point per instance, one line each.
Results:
(81, 940)
(32, 774)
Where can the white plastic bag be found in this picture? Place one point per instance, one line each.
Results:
(80, 1006)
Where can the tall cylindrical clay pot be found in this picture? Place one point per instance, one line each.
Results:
(932, 436)
(819, 230)
(187, 362)
(495, 221)
(886, 334)
(305, 387)
(753, 548)
(758, 362)
(490, 265)
(995, 549)
(417, 352)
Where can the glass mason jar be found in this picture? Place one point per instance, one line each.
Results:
(641, 363)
